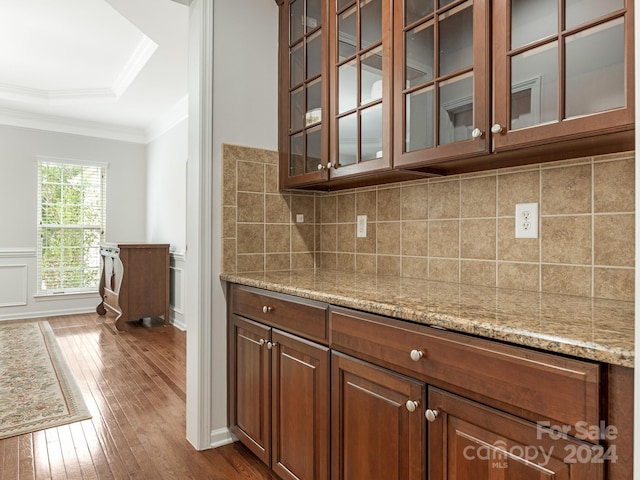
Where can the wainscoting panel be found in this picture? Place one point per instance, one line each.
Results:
(176, 288)
(13, 285)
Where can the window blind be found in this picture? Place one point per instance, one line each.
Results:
(71, 225)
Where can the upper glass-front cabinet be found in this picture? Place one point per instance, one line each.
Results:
(304, 103)
(361, 83)
(441, 69)
(563, 69)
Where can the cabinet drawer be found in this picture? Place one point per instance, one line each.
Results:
(306, 318)
(532, 384)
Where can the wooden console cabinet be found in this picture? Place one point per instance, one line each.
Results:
(134, 282)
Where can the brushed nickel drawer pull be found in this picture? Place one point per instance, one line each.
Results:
(266, 309)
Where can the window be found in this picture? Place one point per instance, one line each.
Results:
(71, 225)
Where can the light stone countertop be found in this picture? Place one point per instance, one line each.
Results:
(589, 328)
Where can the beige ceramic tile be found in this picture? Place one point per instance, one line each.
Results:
(250, 263)
(347, 208)
(366, 263)
(229, 187)
(327, 260)
(367, 244)
(566, 239)
(444, 200)
(415, 267)
(388, 204)
(277, 261)
(478, 197)
(328, 238)
(366, 204)
(478, 239)
(277, 238)
(302, 238)
(346, 262)
(388, 238)
(328, 208)
(229, 255)
(443, 238)
(478, 273)
(277, 208)
(303, 204)
(388, 265)
(233, 152)
(271, 179)
(414, 202)
(415, 238)
(346, 238)
(519, 276)
(250, 177)
(444, 270)
(516, 249)
(566, 190)
(250, 207)
(514, 188)
(614, 186)
(302, 260)
(566, 279)
(614, 283)
(250, 238)
(228, 222)
(614, 240)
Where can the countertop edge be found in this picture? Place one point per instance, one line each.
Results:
(549, 343)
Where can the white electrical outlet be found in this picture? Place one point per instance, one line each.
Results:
(527, 220)
(361, 231)
(299, 218)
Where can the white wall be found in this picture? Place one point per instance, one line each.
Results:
(245, 112)
(167, 188)
(166, 207)
(126, 207)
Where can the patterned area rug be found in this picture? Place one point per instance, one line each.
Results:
(37, 389)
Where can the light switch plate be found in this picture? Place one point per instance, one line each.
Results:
(361, 226)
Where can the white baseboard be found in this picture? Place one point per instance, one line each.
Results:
(222, 436)
(44, 314)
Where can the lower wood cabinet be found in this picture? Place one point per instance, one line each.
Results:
(468, 440)
(321, 392)
(374, 435)
(279, 404)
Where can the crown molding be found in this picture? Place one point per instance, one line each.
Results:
(171, 118)
(139, 58)
(53, 123)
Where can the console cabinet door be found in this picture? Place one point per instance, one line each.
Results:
(374, 435)
(249, 385)
(470, 441)
(300, 419)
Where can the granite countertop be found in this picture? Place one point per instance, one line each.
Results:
(589, 328)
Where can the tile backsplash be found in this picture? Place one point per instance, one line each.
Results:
(455, 229)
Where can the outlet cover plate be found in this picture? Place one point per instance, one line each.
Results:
(527, 220)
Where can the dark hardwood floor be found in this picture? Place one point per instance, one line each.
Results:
(134, 386)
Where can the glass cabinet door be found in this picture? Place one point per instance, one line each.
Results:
(562, 68)
(304, 142)
(441, 99)
(361, 86)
